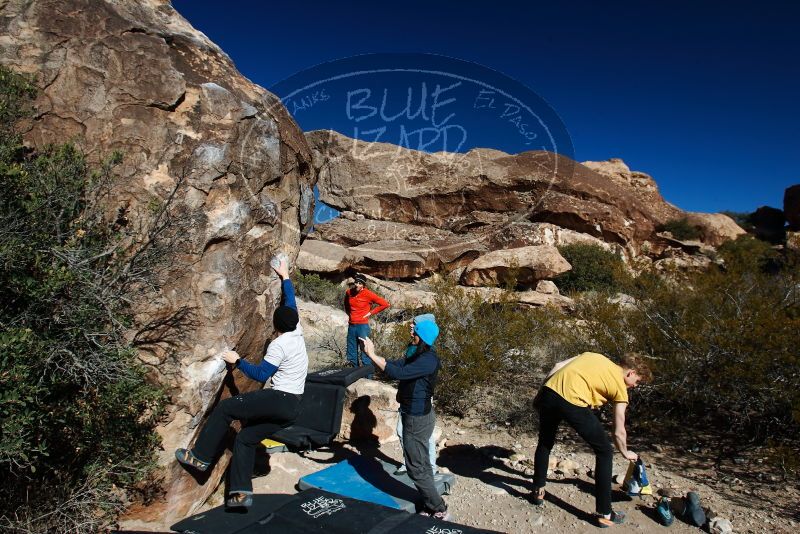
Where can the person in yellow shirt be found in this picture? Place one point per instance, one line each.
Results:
(572, 389)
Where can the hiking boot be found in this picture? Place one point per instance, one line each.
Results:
(239, 500)
(187, 458)
(538, 497)
(617, 518)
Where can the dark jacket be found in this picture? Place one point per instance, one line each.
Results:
(417, 375)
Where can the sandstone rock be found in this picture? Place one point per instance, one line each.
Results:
(325, 333)
(791, 206)
(370, 412)
(567, 467)
(531, 264)
(134, 76)
(547, 287)
(720, 525)
(715, 228)
(323, 257)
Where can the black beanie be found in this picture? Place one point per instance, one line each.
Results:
(285, 319)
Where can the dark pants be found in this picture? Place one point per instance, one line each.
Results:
(417, 430)
(261, 413)
(552, 410)
(355, 331)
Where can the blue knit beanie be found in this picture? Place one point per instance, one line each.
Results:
(427, 331)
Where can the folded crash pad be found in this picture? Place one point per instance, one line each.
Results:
(372, 480)
(318, 421)
(340, 377)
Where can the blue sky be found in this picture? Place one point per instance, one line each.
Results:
(704, 96)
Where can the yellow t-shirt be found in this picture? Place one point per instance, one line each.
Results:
(590, 379)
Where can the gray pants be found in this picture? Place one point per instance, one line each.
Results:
(431, 443)
(417, 430)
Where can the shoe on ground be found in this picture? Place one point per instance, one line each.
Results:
(664, 512)
(617, 518)
(239, 500)
(538, 497)
(693, 513)
(441, 516)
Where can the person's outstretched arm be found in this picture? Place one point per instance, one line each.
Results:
(620, 434)
(399, 370)
(287, 289)
(261, 372)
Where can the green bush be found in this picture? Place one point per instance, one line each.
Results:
(593, 269)
(680, 229)
(312, 287)
(76, 411)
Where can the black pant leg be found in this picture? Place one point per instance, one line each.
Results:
(550, 415)
(589, 427)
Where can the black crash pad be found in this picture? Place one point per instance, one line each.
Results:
(340, 377)
(319, 420)
(318, 511)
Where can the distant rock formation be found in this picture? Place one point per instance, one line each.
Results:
(791, 207)
(408, 214)
(134, 76)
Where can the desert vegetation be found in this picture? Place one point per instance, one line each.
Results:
(76, 408)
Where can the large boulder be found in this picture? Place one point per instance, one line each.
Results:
(791, 206)
(769, 224)
(220, 152)
(370, 412)
(446, 190)
(528, 264)
(715, 228)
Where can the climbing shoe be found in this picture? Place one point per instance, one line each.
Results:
(187, 458)
(693, 513)
(617, 518)
(239, 500)
(664, 512)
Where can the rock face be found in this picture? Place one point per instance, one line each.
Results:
(134, 76)
(466, 192)
(441, 211)
(791, 206)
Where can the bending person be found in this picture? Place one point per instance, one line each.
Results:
(417, 374)
(571, 390)
(286, 363)
(358, 303)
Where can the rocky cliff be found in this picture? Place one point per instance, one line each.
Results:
(220, 151)
(408, 214)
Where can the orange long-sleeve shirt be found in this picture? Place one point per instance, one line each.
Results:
(357, 306)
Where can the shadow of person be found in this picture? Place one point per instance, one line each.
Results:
(476, 462)
(569, 508)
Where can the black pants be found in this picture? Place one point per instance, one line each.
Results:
(552, 410)
(261, 413)
(417, 430)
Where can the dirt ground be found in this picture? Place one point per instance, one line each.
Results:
(493, 487)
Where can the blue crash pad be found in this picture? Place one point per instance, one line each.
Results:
(372, 480)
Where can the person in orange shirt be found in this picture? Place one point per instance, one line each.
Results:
(572, 389)
(358, 303)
